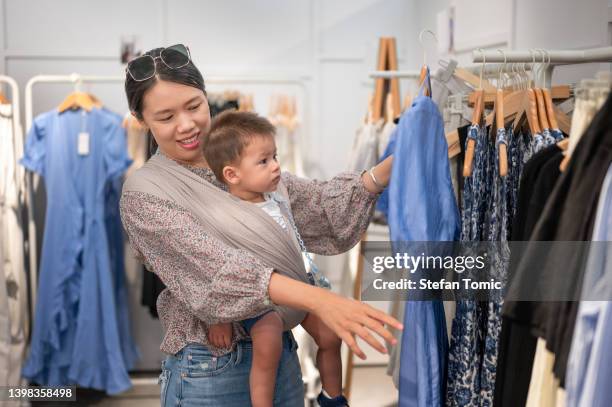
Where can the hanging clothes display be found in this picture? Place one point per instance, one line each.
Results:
(219, 102)
(489, 206)
(289, 145)
(419, 143)
(569, 216)
(517, 345)
(13, 289)
(81, 332)
(137, 142)
(590, 361)
(364, 154)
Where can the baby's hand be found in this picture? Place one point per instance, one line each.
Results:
(220, 335)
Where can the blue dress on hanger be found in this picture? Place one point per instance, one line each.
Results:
(422, 208)
(81, 332)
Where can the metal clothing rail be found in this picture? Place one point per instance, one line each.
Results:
(73, 78)
(489, 69)
(549, 59)
(561, 57)
(16, 114)
(395, 74)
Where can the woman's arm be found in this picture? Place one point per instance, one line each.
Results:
(216, 282)
(344, 316)
(331, 216)
(382, 173)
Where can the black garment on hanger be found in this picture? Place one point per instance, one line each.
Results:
(568, 216)
(152, 286)
(219, 106)
(463, 132)
(517, 345)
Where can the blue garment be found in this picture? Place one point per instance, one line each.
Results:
(489, 205)
(194, 377)
(81, 332)
(382, 204)
(422, 208)
(590, 361)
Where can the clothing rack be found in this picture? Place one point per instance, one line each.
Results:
(16, 113)
(74, 78)
(548, 58)
(395, 74)
(489, 69)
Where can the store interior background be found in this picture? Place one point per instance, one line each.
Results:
(326, 47)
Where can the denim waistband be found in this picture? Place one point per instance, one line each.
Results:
(289, 344)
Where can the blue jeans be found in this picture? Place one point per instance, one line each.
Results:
(194, 377)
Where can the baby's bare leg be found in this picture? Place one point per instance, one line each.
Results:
(267, 336)
(329, 360)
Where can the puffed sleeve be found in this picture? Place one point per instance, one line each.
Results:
(35, 147)
(331, 216)
(216, 282)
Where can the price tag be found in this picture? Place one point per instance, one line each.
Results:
(83, 146)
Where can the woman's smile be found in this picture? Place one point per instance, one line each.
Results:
(192, 142)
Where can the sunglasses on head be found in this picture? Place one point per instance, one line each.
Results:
(144, 67)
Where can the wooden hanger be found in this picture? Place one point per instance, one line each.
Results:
(422, 78)
(557, 92)
(474, 80)
(471, 144)
(77, 100)
(369, 117)
(542, 112)
(476, 119)
(501, 124)
(389, 112)
(529, 113)
(97, 102)
(513, 104)
(454, 143)
(550, 112)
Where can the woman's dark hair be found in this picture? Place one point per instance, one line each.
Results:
(134, 90)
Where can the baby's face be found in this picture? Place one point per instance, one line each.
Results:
(259, 169)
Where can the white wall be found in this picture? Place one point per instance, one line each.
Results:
(329, 45)
(525, 24)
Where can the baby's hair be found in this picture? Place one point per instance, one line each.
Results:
(231, 131)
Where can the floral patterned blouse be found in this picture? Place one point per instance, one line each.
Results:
(210, 282)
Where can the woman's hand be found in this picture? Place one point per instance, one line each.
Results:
(382, 174)
(346, 317)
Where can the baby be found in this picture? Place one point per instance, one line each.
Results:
(241, 151)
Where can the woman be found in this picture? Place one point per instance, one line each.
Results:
(209, 279)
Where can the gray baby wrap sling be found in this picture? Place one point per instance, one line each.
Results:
(237, 223)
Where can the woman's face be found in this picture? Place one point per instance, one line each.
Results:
(178, 117)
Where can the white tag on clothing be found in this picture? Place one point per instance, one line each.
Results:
(83, 146)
